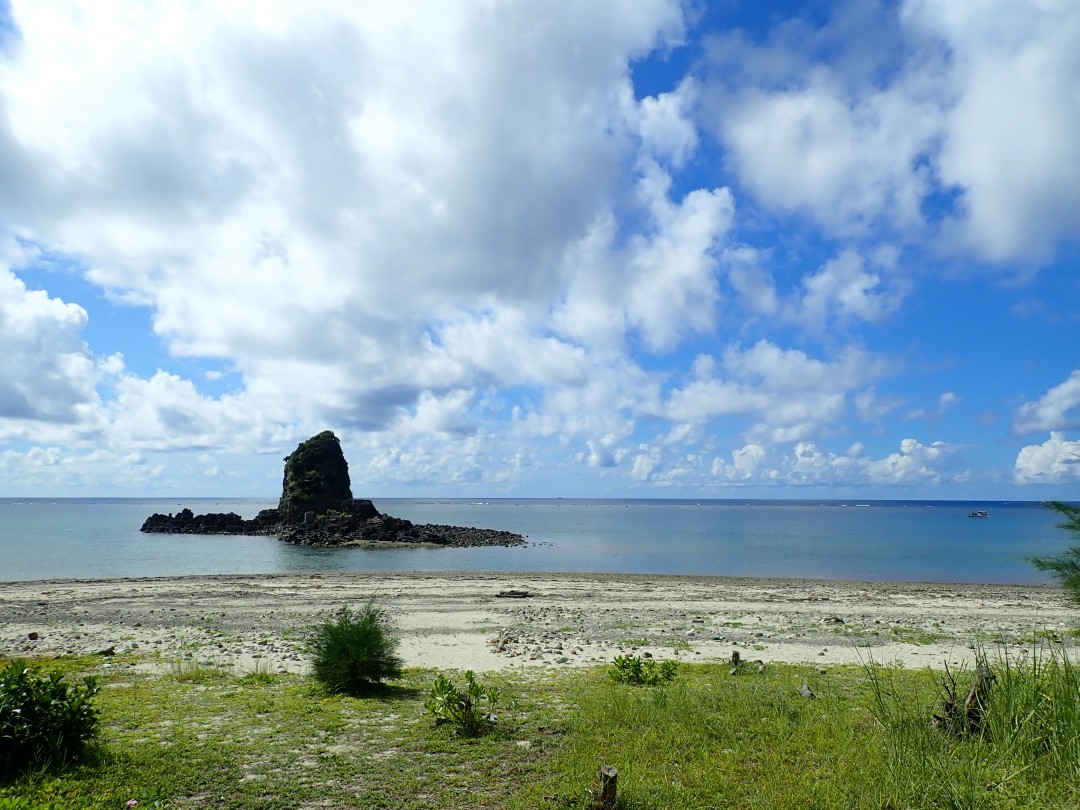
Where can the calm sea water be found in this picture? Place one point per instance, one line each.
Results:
(931, 541)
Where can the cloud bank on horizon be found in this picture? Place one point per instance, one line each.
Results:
(646, 249)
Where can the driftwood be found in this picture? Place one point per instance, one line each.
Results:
(964, 717)
(513, 594)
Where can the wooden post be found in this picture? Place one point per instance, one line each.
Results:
(605, 798)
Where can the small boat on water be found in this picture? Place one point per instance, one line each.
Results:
(980, 513)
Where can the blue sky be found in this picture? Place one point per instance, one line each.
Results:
(733, 249)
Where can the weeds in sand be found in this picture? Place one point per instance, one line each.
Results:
(192, 670)
(642, 672)
(470, 711)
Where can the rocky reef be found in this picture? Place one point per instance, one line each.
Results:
(317, 508)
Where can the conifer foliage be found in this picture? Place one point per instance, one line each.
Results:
(353, 653)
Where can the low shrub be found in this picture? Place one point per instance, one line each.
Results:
(44, 720)
(633, 670)
(353, 653)
(470, 711)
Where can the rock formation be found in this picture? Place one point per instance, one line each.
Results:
(316, 478)
(317, 508)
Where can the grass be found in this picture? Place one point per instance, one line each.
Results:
(707, 739)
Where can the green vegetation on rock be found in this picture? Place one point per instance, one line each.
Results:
(316, 478)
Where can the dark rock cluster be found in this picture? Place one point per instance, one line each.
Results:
(317, 509)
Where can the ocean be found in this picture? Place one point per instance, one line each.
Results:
(912, 541)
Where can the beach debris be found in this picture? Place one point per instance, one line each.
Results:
(966, 717)
(832, 620)
(736, 662)
(513, 594)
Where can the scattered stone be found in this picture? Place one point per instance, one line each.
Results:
(512, 594)
(33, 636)
(807, 692)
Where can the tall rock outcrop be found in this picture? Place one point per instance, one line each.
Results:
(316, 478)
(317, 508)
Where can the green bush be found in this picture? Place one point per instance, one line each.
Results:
(353, 652)
(43, 720)
(470, 711)
(633, 670)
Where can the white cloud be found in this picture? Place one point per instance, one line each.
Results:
(873, 407)
(846, 290)
(790, 395)
(1057, 409)
(358, 206)
(54, 469)
(666, 126)
(975, 99)
(48, 376)
(672, 288)
(453, 233)
(1011, 137)
(805, 464)
(945, 401)
(1055, 460)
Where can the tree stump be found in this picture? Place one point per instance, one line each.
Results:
(605, 796)
(964, 718)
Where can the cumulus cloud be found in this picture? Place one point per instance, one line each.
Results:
(806, 464)
(970, 101)
(456, 234)
(1055, 410)
(1055, 460)
(54, 469)
(282, 188)
(846, 289)
(47, 372)
(788, 395)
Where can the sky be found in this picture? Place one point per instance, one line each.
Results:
(542, 248)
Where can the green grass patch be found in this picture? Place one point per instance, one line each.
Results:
(706, 739)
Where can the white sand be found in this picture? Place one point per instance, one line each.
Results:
(457, 621)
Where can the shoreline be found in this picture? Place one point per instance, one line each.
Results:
(458, 620)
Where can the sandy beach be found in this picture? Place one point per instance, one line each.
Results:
(504, 621)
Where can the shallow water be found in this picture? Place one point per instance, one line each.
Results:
(913, 541)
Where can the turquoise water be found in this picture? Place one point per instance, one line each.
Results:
(930, 541)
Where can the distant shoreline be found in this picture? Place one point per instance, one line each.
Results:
(459, 620)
